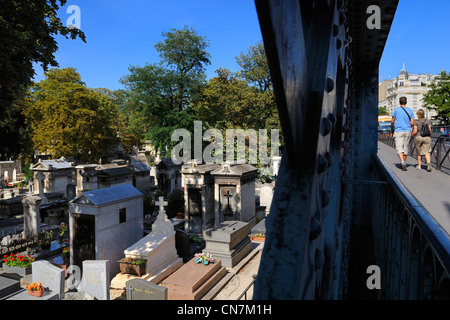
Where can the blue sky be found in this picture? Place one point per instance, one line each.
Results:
(123, 33)
(419, 38)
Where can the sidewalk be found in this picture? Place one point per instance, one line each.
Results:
(431, 189)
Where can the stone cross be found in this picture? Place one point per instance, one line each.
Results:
(228, 196)
(40, 176)
(161, 203)
(162, 225)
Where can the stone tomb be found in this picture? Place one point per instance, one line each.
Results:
(234, 193)
(158, 248)
(104, 223)
(229, 241)
(199, 197)
(193, 281)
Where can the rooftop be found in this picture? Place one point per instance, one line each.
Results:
(100, 197)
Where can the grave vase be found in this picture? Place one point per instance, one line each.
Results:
(36, 293)
(127, 267)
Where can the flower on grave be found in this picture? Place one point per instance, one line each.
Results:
(35, 286)
(62, 228)
(18, 260)
(205, 258)
(66, 252)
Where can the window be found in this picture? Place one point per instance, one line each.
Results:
(123, 215)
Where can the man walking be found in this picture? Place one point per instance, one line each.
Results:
(402, 121)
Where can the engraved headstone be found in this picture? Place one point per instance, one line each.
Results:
(95, 280)
(51, 277)
(140, 289)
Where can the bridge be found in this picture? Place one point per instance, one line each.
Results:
(341, 206)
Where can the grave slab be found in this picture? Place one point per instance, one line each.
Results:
(8, 286)
(25, 296)
(192, 281)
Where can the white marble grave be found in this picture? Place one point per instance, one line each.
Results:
(158, 248)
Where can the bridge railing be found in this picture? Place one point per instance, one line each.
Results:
(411, 248)
(440, 153)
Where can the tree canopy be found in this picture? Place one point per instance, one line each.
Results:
(27, 31)
(163, 93)
(68, 119)
(438, 98)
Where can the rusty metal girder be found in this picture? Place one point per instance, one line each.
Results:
(320, 58)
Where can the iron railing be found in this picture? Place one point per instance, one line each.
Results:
(244, 294)
(411, 248)
(440, 153)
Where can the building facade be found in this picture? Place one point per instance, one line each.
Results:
(409, 85)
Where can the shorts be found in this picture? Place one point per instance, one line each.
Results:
(402, 140)
(423, 145)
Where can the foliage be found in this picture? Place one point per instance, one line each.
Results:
(161, 94)
(66, 250)
(27, 32)
(18, 260)
(48, 238)
(383, 111)
(438, 98)
(243, 100)
(15, 134)
(28, 172)
(68, 119)
(175, 202)
(134, 261)
(255, 67)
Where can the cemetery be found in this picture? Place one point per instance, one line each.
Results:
(80, 231)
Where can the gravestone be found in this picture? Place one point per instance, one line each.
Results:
(158, 248)
(266, 196)
(40, 176)
(71, 191)
(229, 241)
(95, 280)
(182, 244)
(140, 289)
(31, 214)
(51, 277)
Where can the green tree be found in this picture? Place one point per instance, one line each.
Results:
(438, 98)
(27, 31)
(383, 111)
(255, 67)
(68, 119)
(242, 100)
(162, 94)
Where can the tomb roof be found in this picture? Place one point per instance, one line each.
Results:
(105, 196)
(55, 164)
(233, 170)
(140, 163)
